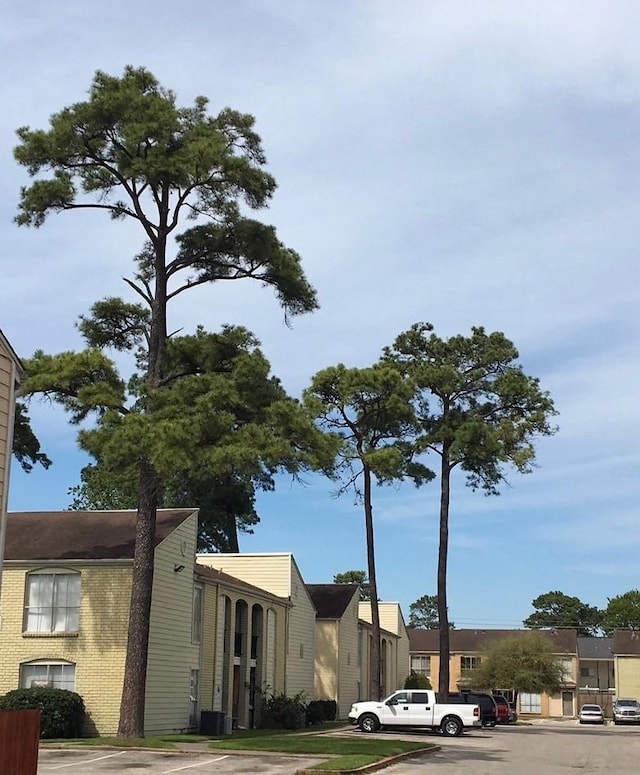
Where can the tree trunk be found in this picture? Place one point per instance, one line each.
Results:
(132, 704)
(376, 672)
(135, 669)
(443, 548)
(231, 530)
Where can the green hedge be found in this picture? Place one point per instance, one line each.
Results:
(417, 681)
(61, 711)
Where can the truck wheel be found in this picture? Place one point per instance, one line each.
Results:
(451, 726)
(368, 723)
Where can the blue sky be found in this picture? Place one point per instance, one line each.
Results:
(465, 163)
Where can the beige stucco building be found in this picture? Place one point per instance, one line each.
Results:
(466, 648)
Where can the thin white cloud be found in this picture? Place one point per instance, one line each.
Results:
(459, 162)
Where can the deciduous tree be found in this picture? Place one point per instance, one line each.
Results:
(523, 662)
(477, 411)
(131, 152)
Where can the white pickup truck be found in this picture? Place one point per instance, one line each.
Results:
(415, 708)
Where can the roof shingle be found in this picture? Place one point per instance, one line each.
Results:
(564, 641)
(81, 535)
(331, 600)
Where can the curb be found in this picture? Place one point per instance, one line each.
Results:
(376, 765)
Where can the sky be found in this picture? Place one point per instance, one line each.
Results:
(463, 163)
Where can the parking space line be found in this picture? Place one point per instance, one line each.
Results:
(197, 764)
(88, 761)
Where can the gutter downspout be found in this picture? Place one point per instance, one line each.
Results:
(4, 501)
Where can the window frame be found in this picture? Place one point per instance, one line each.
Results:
(473, 660)
(49, 663)
(69, 613)
(424, 659)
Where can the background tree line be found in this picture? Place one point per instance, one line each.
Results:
(555, 610)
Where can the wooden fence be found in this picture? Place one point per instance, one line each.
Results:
(19, 737)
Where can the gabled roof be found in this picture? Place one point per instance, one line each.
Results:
(206, 572)
(470, 641)
(626, 642)
(81, 535)
(332, 600)
(595, 648)
(6, 345)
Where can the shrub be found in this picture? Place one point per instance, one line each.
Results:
(417, 681)
(315, 712)
(321, 710)
(330, 710)
(281, 712)
(61, 711)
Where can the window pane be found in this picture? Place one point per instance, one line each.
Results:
(53, 602)
(196, 630)
(58, 676)
(39, 603)
(530, 703)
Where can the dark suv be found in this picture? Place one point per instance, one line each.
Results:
(488, 707)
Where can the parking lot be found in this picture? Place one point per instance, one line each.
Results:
(102, 762)
(562, 748)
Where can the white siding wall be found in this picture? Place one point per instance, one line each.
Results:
(172, 656)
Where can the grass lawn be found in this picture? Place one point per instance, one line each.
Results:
(350, 752)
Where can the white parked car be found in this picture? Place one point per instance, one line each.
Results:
(415, 708)
(591, 714)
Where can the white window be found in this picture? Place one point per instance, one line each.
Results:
(53, 602)
(57, 675)
(421, 664)
(530, 703)
(196, 622)
(469, 663)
